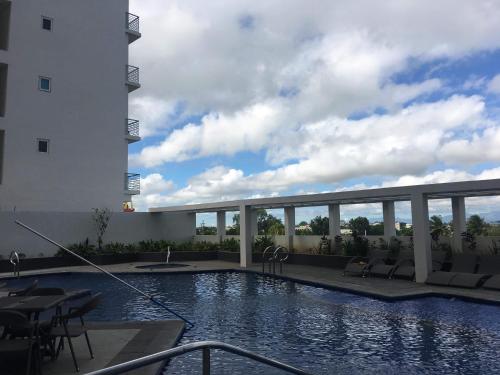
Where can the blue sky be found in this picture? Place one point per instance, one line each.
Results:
(240, 99)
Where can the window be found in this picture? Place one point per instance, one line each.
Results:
(3, 88)
(4, 24)
(44, 84)
(43, 145)
(47, 23)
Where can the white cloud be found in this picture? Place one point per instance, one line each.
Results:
(494, 85)
(152, 112)
(481, 147)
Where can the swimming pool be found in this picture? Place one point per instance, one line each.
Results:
(324, 331)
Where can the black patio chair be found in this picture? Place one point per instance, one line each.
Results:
(25, 291)
(405, 258)
(12, 349)
(492, 262)
(68, 331)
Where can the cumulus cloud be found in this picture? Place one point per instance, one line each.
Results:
(494, 85)
(317, 92)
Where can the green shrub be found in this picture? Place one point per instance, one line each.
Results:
(119, 248)
(83, 249)
(230, 244)
(261, 243)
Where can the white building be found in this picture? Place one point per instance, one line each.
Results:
(64, 86)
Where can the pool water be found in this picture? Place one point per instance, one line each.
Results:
(320, 330)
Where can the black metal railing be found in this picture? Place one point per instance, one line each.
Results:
(205, 347)
(132, 74)
(132, 22)
(132, 127)
(133, 182)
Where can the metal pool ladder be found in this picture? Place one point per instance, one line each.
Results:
(14, 259)
(148, 296)
(205, 347)
(279, 254)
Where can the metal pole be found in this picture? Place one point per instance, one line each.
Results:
(206, 361)
(151, 298)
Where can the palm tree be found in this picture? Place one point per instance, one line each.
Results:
(476, 225)
(438, 228)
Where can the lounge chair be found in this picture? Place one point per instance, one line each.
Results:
(405, 258)
(461, 263)
(358, 266)
(490, 264)
(407, 268)
(68, 331)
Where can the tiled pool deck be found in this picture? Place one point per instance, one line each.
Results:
(135, 339)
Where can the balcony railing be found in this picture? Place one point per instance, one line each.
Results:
(132, 78)
(133, 183)
(132, 22)
(132, 127)
(132, 27)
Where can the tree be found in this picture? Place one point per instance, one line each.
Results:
(320, 225)
(302, 223)
(235, 228)
(360, 225)
(101, 219)
(476, 225)
(267, 221)
(438, 228)
(376, 230)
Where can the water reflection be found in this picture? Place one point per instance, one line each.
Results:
(324, 331)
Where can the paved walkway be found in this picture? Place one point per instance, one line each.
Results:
(117, 342)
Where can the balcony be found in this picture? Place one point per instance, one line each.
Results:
(132, 27)
(132, 78)
(132, 130)
(132, 183)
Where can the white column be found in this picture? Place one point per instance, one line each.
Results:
(389, 219)
(289, 226)
(192, 222)
(421, 236)
(221, 225)
(334, 220)
(245, 236)
(459, 222)
(254, 229)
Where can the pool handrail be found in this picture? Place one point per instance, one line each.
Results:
(264, 258)
(205, 346)
(148, 296)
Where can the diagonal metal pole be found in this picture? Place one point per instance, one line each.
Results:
(148, 296)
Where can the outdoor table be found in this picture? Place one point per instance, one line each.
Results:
(38, 304)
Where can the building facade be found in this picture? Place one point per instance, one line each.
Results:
(65, 78)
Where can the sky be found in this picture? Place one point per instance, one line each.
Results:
(245, 99)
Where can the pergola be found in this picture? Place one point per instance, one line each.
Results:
(418, 195)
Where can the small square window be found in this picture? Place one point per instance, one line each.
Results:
(43, 145)
(44, 84)
(47, 23)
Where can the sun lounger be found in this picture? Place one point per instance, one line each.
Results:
(358, 266)
(488, 266)
(405, 259)
(491, 264)
(406, 269)
(461, 263)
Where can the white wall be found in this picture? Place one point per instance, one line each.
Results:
(83, 116)
(71, 227)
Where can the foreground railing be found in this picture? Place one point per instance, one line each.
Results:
(205, 347)
(148, 296)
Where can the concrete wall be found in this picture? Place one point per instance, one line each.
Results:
(83, 116)
(70, 227)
